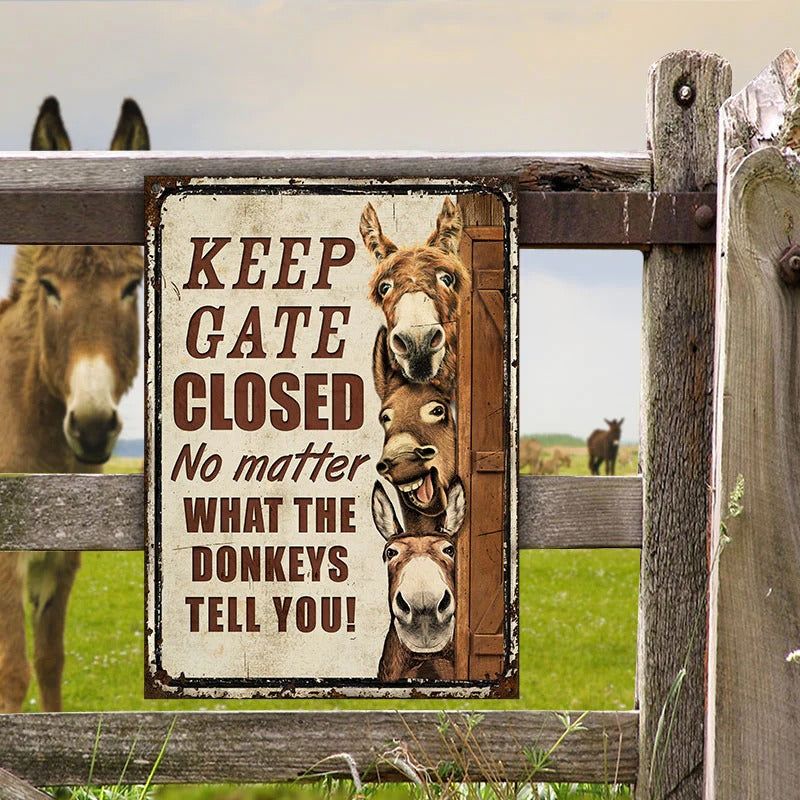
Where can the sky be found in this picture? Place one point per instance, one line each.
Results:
(468, 75)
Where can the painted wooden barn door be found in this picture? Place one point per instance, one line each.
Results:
(483, 433)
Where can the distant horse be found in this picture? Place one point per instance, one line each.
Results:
(68, 351)
(418, 290)
(422, 598)
(419, 445)
(604, 445)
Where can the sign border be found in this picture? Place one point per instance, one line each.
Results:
(158, 683)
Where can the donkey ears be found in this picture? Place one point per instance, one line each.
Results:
(456, 508)
(381, 365)
(383, 513)
(373, 237)
(448, 228)
(131, 132)
(49, 132)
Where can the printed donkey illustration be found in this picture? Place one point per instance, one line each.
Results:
(418, 289)
(419, 448)
(68, 351)
(604, 445)
(422, 595)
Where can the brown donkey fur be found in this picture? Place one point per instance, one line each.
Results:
(422, 591)
(418, 289)
(68, 351)
(419, 446)
(604, 446)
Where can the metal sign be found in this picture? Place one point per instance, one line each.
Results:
(331, 422)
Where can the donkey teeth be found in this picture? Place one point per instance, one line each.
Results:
(410, 487)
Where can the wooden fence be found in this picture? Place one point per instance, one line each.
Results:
(661, 202)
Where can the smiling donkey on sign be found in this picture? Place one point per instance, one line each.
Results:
(68, 351)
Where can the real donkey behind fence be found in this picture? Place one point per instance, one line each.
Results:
(69, 334)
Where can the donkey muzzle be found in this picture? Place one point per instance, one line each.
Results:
(419, 350)
(91, 423)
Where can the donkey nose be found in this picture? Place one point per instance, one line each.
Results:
(426, 453)
(401, 343)
(383, 467)
(435, 338)
(95, 432)
(445, 602)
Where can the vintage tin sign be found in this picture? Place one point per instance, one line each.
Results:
(331, 421)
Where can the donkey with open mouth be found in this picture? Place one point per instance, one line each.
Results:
(422, 591)
(69, 335)
(419, 447)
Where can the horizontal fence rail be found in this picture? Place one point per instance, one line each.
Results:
(565, 200)
(264, 747)
(106, 512)
(119, 172)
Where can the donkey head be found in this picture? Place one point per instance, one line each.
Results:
(419, 446)
(418, 290)
(421, 573)
(83, 303)
(614, 430)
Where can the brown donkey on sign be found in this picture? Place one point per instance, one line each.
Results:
(419, 445)
(418, 289)
(69, 333)
(422, 592)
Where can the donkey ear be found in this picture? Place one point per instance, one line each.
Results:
(373, 237)
(448, 228)
(621, 420)
(383, 513)
(606, 422)
(381, 366)
(456, 508)
(49, 132)
(131, 132)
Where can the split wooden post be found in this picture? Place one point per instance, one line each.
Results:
(684, 95)
(753, 727)
(12, 788)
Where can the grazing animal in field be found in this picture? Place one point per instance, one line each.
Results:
(422, 592)
(549, 467)
(563, 458)
(69, 334)
(604, 446)
(418, 289)
(530, 451)
(419, 446)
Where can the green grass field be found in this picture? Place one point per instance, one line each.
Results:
(577, 632)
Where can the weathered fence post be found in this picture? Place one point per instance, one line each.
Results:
(684, 95)
(753, 728)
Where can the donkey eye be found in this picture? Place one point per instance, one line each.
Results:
(433, 413)
(384, 287)
(49, 289)
(386, 418)
(390, 552)
(131, 288)
(449, 551)
(446, 278)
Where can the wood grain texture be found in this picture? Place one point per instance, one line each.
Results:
(12, 788)
(677, 359)
(75, 170)
(753, 747)
(254, 747)
(576, 512)
(632, 220)
(106, 512)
